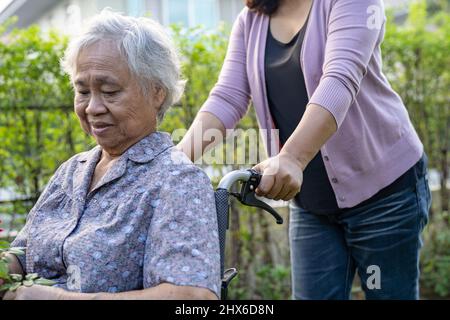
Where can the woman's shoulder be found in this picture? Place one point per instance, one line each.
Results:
(176, 163)
(247, 17)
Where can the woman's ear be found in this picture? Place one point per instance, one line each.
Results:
(159, 95)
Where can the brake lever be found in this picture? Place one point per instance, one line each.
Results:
(248, 198)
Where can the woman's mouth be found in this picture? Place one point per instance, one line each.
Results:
(99, 128)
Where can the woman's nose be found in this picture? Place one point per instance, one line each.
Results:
(96, 105)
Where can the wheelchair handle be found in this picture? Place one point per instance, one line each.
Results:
(250, 180)
(232, 177)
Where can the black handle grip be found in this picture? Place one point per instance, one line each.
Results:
(247, 196)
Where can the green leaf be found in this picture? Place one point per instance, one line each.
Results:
(4, 272)
(28, 283)
(17, 251)
(16, 277)
(3, 244)
(32, 276)
(44, 282)
(15, 286)
(5, 286)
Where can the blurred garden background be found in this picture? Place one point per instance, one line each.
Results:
(39, 131)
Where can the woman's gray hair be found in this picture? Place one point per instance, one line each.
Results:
(146, 46)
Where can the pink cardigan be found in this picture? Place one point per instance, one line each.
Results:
(341, 59)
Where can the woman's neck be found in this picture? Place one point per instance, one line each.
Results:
(108, 157)
(111, 153)
(288, 6)
(286, 22)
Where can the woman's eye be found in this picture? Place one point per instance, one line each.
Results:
(83, 93)
(110, 93)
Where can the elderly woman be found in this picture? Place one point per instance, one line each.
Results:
(132, 218)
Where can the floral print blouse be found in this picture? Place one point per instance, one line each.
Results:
(151, 219)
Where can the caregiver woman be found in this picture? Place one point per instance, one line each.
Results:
(313, 70)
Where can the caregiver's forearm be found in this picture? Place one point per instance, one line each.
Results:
(192, 143)
(315, 128)
(163, 291)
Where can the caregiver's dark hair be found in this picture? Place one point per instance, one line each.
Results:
(263, 6)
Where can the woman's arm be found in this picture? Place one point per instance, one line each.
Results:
(164, 291)
(21, 239)
(315, 128)
(354, 32)
(282, 175)
(230, 97)
(192, 143)
(14, 265)
(228, 101)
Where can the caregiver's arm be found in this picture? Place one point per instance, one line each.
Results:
(315, 128)
(282, 174)
(193, 143)
(228, 101)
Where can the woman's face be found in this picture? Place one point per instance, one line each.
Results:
(109, 101)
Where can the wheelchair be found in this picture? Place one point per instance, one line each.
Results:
(249, 180)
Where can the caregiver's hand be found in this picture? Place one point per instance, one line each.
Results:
(35, 292)
(282, 177)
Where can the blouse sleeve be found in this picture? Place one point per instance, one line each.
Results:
(182, 245)
(22, 237)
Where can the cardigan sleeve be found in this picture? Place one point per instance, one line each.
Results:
(355, 28)
(230, 97)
